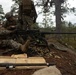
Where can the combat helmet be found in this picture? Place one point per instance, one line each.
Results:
(8, 15)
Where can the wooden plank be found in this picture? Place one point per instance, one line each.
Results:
(36, 60)
(19, 55)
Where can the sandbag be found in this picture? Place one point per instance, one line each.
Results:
(52, 70)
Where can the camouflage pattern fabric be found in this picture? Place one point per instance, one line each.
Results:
(13, 22)
(9, 23)
(27, 14)
(28, 22)
(11, 43)
(26, 4)
(4, 31)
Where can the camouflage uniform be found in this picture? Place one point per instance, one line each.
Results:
(8, 23)
(3, 33)
(9, 42)
(29, 14)
(28, 22)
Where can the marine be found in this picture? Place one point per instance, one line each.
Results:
(6, 30)
(28, 13)
(10, 22)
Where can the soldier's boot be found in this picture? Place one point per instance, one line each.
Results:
(25, 46)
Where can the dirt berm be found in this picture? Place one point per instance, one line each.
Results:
(64, 59)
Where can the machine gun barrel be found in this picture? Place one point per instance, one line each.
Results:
(43, 32)
(27, 31)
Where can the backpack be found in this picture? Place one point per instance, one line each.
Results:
(27, 4)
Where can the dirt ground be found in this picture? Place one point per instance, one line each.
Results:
(65, 62)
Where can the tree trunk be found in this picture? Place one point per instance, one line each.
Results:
(58, 16)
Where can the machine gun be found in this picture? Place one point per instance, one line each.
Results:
(38, 38)
(38, 41)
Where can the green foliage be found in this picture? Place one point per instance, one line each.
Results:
(1, 14)
(1, 10)
(69, 39)
(68, 27)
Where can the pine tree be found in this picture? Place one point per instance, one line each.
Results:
(1, 14)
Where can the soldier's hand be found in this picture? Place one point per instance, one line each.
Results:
(11, 27)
